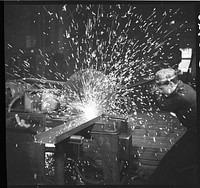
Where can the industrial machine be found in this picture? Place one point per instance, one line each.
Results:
(99, 147)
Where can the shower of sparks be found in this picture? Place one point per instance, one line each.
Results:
(89, 93)
(101, 43)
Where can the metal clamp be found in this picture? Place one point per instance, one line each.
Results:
(76, 139)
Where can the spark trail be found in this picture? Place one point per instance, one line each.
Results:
(105, 46)
(89, 93)
(121, 41)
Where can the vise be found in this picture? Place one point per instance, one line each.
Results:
(104, 139)
(106, 144)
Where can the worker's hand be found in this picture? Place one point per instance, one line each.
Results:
(154, 90)
(156, 93)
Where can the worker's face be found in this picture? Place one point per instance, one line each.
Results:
(166, 88)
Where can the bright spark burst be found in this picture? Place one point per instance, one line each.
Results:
(88, 94)
(121, 41)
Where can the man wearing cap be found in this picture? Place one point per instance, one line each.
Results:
(179, 165)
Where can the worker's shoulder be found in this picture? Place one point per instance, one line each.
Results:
(184, 87)
(186, 93)
(188, 89)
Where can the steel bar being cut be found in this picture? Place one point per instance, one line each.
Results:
(63, 131)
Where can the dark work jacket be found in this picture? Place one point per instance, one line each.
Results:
(183, 103)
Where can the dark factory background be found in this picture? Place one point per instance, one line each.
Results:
(53, 41)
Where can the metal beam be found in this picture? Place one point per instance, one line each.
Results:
(63, 131)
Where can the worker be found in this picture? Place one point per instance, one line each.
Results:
(179, 165)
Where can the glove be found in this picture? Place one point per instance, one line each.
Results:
(156, 93)
(154, 90)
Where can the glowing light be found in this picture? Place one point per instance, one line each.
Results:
(91, 111)
(123, 49)
(87, 93)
